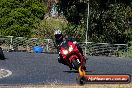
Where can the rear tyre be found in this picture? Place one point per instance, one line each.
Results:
(81, 80)
(75, 63)
(84, 68)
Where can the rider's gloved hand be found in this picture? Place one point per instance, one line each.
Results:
(75, 42)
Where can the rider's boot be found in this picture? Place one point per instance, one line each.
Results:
(59, 60)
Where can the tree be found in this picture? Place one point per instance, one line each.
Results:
(110, 23)
(18, 17)
(73, 10)
(109, 19)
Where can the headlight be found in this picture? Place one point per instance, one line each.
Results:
(65, 52)
(70, 48)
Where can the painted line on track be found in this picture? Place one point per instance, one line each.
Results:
(5, 73)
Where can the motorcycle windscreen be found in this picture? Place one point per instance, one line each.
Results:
(65, 45)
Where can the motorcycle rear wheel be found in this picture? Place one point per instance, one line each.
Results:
(80, 80)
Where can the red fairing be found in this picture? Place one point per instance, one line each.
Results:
(74, 50)
(71, 44)
(69, 51)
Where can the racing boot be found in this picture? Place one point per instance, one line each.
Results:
(59, 59)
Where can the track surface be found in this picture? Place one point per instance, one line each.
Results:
(40, 68)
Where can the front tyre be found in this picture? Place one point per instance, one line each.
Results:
(75, 63)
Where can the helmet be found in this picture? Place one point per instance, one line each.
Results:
(58, 35)
(57, 32)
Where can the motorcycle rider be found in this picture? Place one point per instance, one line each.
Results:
(59, 38)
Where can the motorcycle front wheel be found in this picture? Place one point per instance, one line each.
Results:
(75, 64)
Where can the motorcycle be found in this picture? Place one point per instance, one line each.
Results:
(71, 55)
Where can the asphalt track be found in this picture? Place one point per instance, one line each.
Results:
(41, 68)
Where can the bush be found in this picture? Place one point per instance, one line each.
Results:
(46, 27)
(18, 17)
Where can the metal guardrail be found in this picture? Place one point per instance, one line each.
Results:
(10, 43)
(106, 49)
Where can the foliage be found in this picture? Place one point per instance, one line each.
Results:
(109, 20)
(130, 48)
(111, 25)
(73, 10)
(127, 53)
(17, 17)
(46, 27)
(75, 31)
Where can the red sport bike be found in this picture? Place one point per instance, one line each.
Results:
(71, 55)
